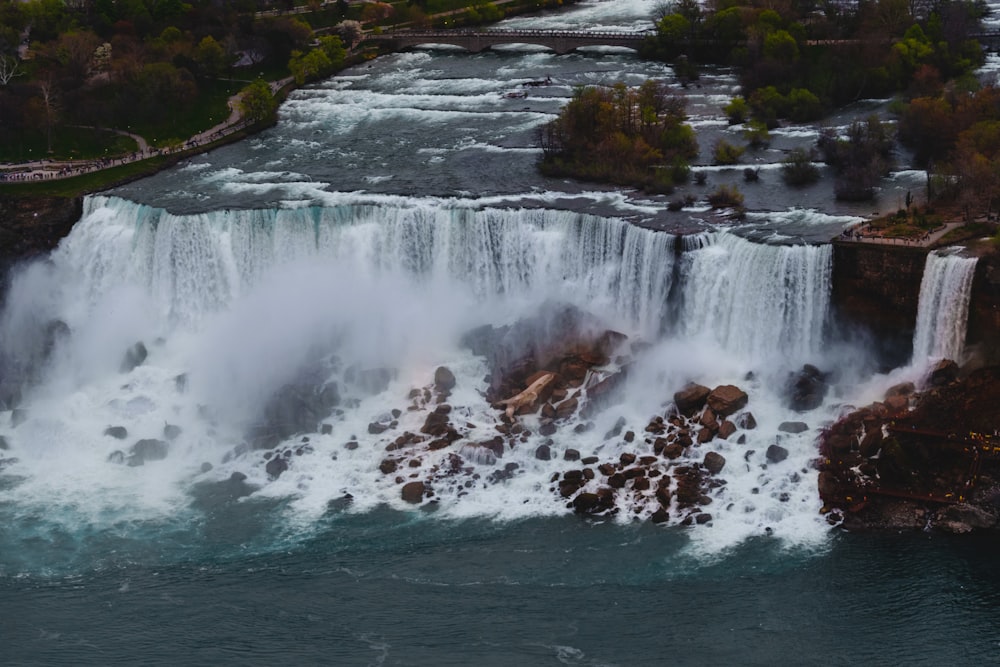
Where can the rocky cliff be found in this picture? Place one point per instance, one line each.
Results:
(33, 225)
(876, 288)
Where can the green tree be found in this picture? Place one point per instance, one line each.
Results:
(257, 103)
(211, 57)
(306, 66)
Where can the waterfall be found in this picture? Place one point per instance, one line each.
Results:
(756, 300)
(189, 266)
(943, 308)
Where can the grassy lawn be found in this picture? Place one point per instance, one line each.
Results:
(68, 143)
(209, 110)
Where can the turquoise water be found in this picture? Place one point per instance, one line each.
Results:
(407, 589)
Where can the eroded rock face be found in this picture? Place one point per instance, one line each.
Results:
(887, 466)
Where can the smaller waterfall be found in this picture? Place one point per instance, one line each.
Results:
(943, 308)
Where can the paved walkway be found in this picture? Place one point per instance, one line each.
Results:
(39, 170)
(863, 233)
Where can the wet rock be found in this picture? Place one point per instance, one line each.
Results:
(793, 427)
(727, 399)
(746, 421)
(388, 466)
(726, 429)
(543, 453)
(673, 450)
(691, 399)
(944, 372)
(702, 518)
(117, 456)
(547, 428)
(436, 423)
(444, 380)
(714, 462)
(171, 431)
(627, 458)
(276, 466)
(145, 450)
(134, 356)
(776, 454)
(571, 455)
(705, 435)
(326, 429)
(413, 492)
(375, 428)
(660, 516)
(806, 389)
(566, 408)
(116, 432)
(605, 393)
(629, 436)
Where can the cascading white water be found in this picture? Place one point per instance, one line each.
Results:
(239, 303)
(943, 308)
(760, 301)
(194, 265)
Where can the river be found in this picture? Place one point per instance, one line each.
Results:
(349, 251)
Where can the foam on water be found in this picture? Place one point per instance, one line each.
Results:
(234, 305)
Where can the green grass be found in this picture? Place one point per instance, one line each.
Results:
(68, 143)
(106, 178)
(210, 109)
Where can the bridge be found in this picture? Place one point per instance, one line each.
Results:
(560, 41)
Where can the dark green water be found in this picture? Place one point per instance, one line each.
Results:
(395, 589)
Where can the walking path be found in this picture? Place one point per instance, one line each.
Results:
(39, 170)
(864, 233)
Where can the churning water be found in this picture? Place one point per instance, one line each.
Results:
(341, 258)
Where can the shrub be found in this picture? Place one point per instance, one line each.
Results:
(737, 111)
(726, 153)
(798, 169)
(726, 196)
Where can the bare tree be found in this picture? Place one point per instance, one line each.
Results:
(9, 68)
(50, 107)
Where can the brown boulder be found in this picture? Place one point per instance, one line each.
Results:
(444, 380)
(566, 408)
(897, 403)
(691, 398)
(413, 492)
(726, 429)
(727, 399)
(714, 462)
